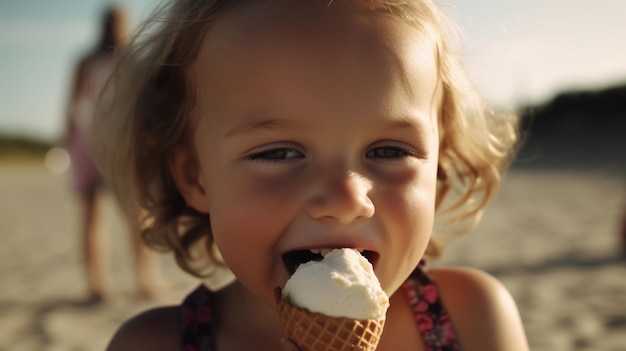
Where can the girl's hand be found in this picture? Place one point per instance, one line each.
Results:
(288, 345)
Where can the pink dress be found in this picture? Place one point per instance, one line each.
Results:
(95, 73)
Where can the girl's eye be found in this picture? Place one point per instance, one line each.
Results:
(388, 152)
(277, 155)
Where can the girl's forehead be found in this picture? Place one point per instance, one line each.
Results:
(302, 24)
(267, 52)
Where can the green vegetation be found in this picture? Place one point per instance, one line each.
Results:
(577, 129)
(17, 144)
(598, 112)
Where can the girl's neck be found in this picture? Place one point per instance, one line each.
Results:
(245, 322)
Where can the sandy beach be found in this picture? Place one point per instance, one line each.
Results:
(551, 237)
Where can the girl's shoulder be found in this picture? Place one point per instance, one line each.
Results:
(156, 329)
(472, 296)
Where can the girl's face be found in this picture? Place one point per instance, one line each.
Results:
(315, 130)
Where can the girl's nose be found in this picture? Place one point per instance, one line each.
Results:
(342, 198)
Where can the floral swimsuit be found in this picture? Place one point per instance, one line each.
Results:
(431, 317)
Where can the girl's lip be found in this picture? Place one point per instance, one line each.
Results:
(294, 258)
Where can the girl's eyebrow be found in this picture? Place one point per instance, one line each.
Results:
(416, 122)
(257, 122)
(262, 122)
(403, 122)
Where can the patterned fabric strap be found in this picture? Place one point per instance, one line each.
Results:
(197, 332)
(432, 318)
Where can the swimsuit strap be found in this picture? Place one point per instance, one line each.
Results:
(196, 316)
(432, 318)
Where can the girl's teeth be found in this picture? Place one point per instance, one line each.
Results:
(324, 252)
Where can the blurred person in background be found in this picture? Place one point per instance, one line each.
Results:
(90, 76)
(623, 229)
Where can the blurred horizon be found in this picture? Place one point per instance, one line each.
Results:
(517, 53)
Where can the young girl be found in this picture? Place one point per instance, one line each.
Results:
(266, 129)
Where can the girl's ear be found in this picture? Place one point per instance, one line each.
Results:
(186, 173)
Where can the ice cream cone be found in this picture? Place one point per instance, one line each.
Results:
(317, 332)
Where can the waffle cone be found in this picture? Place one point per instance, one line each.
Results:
(317, 332)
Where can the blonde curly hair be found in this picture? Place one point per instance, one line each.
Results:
(145, 117)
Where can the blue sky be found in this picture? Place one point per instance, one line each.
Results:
(515, 51)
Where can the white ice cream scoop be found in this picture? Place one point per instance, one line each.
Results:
(343, 284)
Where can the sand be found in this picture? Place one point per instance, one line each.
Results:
(551, 237)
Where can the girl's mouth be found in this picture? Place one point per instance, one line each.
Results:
(293, 259)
